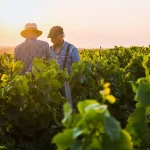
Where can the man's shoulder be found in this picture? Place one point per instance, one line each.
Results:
(42, 42)
(71, 45)
(73, 52)
(20, 46)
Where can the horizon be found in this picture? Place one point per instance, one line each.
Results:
(87, 24)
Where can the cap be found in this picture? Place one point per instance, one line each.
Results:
(55, 31)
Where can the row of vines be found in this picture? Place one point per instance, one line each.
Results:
(111, 100)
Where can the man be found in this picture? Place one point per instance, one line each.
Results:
(31, 47)
(64, 52)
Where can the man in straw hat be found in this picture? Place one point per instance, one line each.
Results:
(31, 47)
(64, 52)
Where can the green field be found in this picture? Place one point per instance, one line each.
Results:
(111, 97)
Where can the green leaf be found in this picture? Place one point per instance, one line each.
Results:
(112, 128)
(76, 119)
(123, 143)
(134, 86)
(88, 67)
(39, 64)
(143, 94)
(53, 62)
(18, 66)
(145, 61)
(77, 132)
(21, 84)
(136, 121)
(77, 145)
(91, 104)
(40, 82)
(95, 144)
(63, 140)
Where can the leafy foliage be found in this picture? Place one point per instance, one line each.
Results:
(138, 122)
(91, 128)
(31, 104)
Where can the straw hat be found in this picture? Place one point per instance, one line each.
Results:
(30, 27)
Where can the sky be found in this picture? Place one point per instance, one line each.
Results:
(86, 23)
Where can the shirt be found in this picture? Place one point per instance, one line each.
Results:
(28, 50)
(73, 55)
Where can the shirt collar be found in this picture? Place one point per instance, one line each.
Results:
(27, 40)
(53, 47)
(64, 44)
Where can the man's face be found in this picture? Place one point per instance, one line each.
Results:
(31, 35)
(57, 40)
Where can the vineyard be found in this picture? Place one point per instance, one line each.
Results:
(111, 98)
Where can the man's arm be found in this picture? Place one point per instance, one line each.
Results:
(16, 57)
(75, 54)
(48, 52)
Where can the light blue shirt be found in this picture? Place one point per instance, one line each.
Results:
(73, 55)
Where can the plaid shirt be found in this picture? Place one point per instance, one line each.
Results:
(30, 49)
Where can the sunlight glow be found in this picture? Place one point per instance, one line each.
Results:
(86, 23)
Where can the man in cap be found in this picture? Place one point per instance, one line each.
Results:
(31, 47)
(64, 52)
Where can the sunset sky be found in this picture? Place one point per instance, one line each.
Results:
(87, 23)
